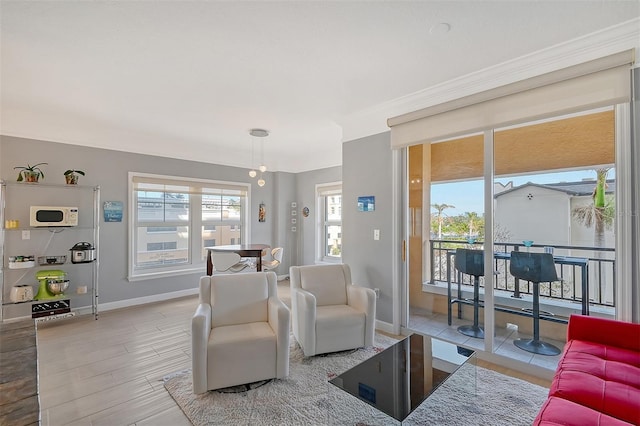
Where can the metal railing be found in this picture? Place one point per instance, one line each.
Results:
(601, 271)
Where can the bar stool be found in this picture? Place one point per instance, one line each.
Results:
(536, 268)
(471, 262)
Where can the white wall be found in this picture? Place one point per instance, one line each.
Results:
(545, 218)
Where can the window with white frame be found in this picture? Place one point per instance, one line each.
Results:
(173, 219)
(329, 200)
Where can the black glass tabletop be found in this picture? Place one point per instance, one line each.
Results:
(398, 379)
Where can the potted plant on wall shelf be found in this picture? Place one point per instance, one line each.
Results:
(30, 173)
(71, 176)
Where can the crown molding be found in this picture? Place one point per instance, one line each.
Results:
(605, 42)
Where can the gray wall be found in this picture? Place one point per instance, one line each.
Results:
(367, 170)
(285, 190)
(109, 169)
(306, 197)
(368, 173)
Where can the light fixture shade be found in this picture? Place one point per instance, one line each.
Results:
(261, 182)
(252, 173)
(262, 168)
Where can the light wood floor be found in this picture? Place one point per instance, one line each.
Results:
(109, 371)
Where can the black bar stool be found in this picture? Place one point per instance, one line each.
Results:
(536, 268)
(471, 262)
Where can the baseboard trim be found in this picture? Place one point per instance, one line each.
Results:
(384, 326)
(109, 306)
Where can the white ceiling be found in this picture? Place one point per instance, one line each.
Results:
(188, 79)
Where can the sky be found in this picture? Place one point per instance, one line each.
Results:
(468, 196)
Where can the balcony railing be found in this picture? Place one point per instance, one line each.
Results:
(601, 275)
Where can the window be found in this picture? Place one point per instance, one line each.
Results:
(173, 219)
(329, 200)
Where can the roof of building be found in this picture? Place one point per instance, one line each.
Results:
(580, 188)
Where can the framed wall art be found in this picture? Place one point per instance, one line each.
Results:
(366, 203)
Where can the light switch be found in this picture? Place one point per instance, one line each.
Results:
(26, 235)
(376, 234)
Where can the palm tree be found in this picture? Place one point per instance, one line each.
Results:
(601, 212)
(472, 219)
(439, 216)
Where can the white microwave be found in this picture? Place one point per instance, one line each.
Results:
(53, 216)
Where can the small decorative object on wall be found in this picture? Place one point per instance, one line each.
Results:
(30, 173)
(293, 220)
(294, 212)
(367, 203)
(293, 229)
(71, 176)
(262, 213)
(294, 205)
(305, 212)
(112, 211)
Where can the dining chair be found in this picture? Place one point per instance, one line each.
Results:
(227, 262)
(276, 259)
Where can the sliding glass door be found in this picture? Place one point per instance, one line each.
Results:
(551, 188)
(554, 187)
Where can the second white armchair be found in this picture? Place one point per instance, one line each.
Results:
(329, 312)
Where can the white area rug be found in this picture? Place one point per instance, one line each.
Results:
(306, 397)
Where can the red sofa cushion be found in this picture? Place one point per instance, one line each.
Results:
(607, 362)
(604, 378)
(558, 411)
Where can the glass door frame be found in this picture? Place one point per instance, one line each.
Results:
(623, 164)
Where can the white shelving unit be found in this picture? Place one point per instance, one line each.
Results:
(81, 296)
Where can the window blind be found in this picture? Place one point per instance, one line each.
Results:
(601, 82)
(186, 186)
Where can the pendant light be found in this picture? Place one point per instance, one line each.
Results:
(258, 133)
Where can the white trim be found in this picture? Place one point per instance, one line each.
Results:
(109, 306)
(619, 37)
(397, 266)
(624, 213)
(489, 302)
(582, 87)
(322, 190)
(195, 222)
(386, 327)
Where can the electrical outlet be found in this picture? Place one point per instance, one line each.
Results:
(376, 234)
(377, 290)
(26, 235)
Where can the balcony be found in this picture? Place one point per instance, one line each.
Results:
(558, 300)
(564, 296)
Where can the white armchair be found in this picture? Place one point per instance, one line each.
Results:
(330, 314)
(240, 331)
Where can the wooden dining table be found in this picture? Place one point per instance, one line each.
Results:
(244, 250)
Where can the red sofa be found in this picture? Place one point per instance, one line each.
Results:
(597, 381)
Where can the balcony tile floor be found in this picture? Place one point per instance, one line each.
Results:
(435, 325)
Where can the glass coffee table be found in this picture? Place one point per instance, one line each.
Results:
(398, 380)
